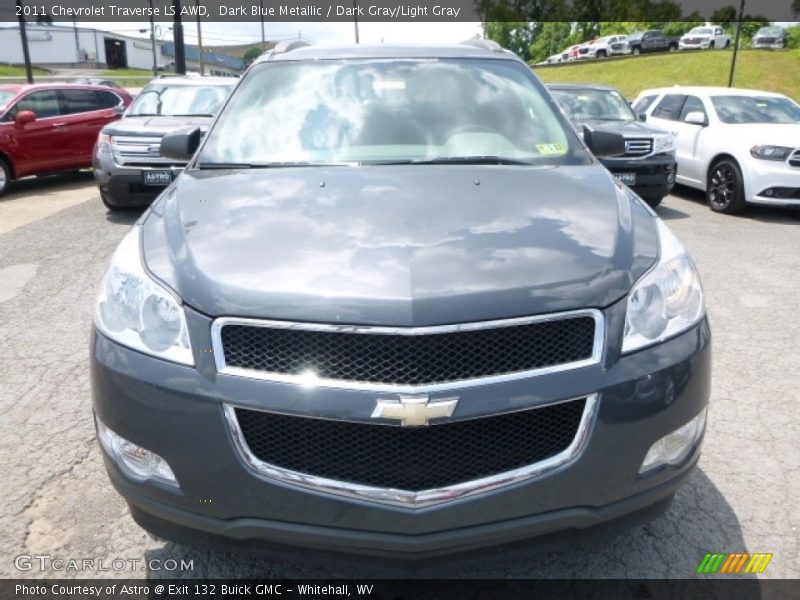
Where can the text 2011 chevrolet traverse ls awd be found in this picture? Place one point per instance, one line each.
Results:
(394, 307)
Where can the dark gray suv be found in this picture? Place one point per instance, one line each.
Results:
(394, 307)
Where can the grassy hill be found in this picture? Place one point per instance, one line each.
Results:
(775, 71)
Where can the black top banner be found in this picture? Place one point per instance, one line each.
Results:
(50, 11)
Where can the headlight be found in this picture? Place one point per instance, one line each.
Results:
(667, 300)
(663, 143)
(135, 311)
(104, 143)
(771, 152)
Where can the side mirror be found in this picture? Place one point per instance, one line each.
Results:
(696, 118)
(603, 143)
(118, 110)
(181, 144)
(641, 116)
(23, 118)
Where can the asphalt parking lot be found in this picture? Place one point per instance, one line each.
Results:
(56, 239)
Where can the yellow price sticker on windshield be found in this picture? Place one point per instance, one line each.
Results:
(551, 149)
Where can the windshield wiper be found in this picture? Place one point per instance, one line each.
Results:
(469, 160)
(223, 166)
(272, 165)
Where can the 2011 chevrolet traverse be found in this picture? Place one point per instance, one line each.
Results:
(394, 307)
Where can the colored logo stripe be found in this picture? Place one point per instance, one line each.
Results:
(734, 563)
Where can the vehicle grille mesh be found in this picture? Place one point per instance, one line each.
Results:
(391, 358)
(411, 458)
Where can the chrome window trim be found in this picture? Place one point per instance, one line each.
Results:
(224, 369)
(424, 498)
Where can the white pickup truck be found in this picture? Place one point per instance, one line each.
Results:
(705, 38)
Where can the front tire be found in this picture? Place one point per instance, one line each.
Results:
(653, 201)
(600, 54)
(110, 206)
(725, 188)
(711, 45)
(5, 176)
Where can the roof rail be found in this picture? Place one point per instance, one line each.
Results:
(489, 45)
(285, 46)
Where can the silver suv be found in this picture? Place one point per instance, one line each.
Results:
(128, 164)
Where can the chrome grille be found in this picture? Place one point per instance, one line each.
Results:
(139, 151)
(406, 359)
(638, 146)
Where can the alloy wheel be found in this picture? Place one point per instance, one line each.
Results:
(723, 186)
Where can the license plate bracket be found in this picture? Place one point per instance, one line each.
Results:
(626, 178)
(157, 177)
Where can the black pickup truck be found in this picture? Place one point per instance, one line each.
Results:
(652, 40)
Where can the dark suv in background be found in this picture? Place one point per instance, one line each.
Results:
(128, 165)
(394, 307)
(647, 161)
(50, 128)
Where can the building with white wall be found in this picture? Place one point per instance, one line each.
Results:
(54, 45)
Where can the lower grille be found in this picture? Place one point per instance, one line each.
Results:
(342, 356)
(410, 458)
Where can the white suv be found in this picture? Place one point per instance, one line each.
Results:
(705, 38)
(609, 45)
(737, 145)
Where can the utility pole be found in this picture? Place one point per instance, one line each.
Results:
(355, 17)
(177, 34)
(153, 39)
(24, 36)
(261, 17)
(78, 57)
(736, 44)
(200, 40)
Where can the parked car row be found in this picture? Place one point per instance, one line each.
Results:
(56, 127)
(705, 37)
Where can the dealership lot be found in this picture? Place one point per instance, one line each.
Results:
(56, 239)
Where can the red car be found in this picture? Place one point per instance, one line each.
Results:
(47, 128)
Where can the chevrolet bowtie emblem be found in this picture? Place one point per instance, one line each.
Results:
(414, 411)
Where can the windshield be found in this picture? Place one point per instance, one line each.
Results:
(390, 111)
(593, 105)
(179, 100)
(5, 96)
(636, 35)
(755, 109)
(770, 31)
(700, 31)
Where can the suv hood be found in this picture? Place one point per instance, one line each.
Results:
(153, 126)
(750, 134)
(397, 245)
(626, 128)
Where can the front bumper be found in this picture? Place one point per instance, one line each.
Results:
(655, 176)
(177, 412)
(771, 182)
(694, 46)
(123, 185)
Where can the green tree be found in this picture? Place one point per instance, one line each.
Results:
(251, 54)
(517, 36)
(552, 37)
